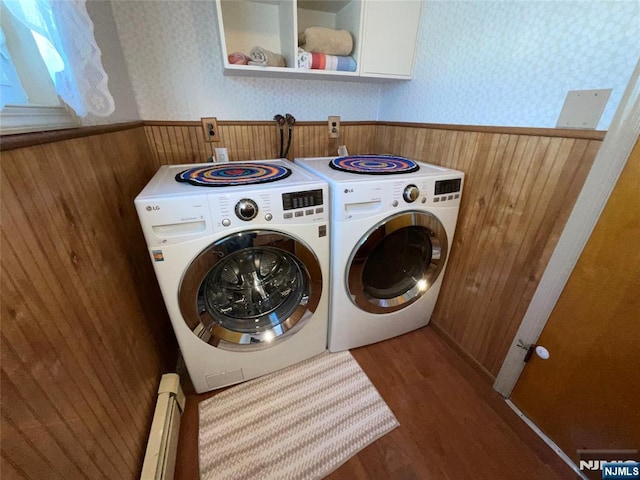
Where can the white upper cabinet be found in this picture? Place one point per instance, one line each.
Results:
(383, 35)
(389, 38)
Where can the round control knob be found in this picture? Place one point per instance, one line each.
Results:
(226, 222)
(246, 209)
(394, 203)
(411, 193)
(268, 217)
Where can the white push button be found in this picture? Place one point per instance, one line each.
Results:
(226, 222)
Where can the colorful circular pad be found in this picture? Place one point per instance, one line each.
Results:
(231, 175)
(374, 164)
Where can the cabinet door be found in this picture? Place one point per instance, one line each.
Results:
(390, 33)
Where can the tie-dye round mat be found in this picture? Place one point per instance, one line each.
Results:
(233, 174)
(374, 164)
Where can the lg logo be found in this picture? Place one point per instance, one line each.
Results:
(348, 190)
(153, 207)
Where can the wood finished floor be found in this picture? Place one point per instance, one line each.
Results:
(453, 425)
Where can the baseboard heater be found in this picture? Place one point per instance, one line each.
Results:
(160, 457)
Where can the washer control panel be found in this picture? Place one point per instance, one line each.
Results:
(264, 207)
(308, 198)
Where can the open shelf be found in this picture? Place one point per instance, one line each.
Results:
(276, 24)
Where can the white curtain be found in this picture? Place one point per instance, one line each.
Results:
(80, 78)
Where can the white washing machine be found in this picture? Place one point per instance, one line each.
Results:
(392, 228)
(243, 267)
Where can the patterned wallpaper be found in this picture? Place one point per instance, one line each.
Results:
(513, 62)
(506, 63)
(172, 50)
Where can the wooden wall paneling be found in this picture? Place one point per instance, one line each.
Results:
(151, 141)
(229, 141)
(177, 132)
(20, 458)
(546, 232)
(518, 198)
(200, 148)
(466, 251)
(261, 136)
(247, 140)
(243, 140)
(520, 184)
(48, 368)
(311, 142)
(519, 189)
(183, 143)
(85, 336)
(69, 281)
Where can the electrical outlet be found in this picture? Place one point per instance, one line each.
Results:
(210, 129)
(334, 126)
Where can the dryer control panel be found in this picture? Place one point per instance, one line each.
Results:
(447, 190)
(354, 200)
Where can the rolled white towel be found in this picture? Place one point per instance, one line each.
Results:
(265, 58)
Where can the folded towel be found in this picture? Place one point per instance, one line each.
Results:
(320, 61)
(304, 59)
(328, 41)
(265, 58)
(238, 58)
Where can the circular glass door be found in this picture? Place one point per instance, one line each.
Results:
(250, 290)
(396, 262)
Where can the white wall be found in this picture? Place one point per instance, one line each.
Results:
(174, 59)
(512, 62)
(506, 63)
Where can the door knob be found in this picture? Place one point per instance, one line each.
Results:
(542, 352)
(539, 350)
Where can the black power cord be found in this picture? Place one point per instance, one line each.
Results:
(280, 121)
(290, 121)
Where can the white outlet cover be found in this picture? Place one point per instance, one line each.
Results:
(583, 108)
(222, 155)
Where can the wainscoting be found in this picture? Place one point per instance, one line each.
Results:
(85, 336)
(520, 187)
(183, 142)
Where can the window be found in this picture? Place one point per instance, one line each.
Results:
(51, 73)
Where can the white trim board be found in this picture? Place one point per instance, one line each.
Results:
(607, 166)
(565, 458)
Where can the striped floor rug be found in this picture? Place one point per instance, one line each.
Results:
(302, 422)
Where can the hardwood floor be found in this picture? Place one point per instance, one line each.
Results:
(453, 425)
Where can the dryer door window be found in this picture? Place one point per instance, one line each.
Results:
(250, 290)
(397, 262)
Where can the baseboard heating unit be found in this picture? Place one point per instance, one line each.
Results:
(160, 457)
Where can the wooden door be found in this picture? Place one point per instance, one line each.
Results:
(587, 394)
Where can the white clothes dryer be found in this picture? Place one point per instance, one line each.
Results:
(243, 267)
(392, 229)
